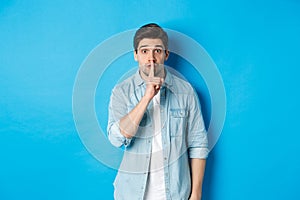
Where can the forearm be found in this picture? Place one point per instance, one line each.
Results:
(130, 122)
(197, 174)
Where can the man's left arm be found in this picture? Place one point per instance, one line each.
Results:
(198, 146)
(197, 174)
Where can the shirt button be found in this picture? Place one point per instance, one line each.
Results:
(165, 158)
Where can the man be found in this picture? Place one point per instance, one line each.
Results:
(157, 118)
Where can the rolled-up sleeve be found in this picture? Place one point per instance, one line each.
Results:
(115, 136)
(197, 135)
(117, 110)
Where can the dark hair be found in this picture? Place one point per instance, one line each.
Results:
(152, 31)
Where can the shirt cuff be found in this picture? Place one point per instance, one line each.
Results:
(116, 138)
(196, 152)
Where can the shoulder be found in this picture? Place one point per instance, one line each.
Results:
(129, 86)
(179, 85)
(125, 84)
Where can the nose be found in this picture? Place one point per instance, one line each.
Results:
(151, 57)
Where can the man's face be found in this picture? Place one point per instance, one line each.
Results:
(151, 51)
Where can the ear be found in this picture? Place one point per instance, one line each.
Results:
(135, 55)
(167, 53)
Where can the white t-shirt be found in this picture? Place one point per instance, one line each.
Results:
(156, 181)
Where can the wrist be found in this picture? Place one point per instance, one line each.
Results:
(196, 195)
(146, 99)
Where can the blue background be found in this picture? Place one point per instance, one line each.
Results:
(255, 45)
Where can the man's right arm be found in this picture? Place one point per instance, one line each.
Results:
(130, 122)
(123, 125)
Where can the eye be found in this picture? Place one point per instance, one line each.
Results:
(158, 51)
(144, 51)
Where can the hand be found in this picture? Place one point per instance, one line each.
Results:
(153, 83)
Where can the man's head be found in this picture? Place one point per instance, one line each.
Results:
(151, 47)
(151, 31)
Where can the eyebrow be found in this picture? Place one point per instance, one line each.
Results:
(158, 45)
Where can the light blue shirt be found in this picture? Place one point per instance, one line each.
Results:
(183, 136)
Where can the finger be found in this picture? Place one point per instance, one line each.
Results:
(155, 80)
(151, 72)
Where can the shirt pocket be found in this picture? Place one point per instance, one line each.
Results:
(178, 121)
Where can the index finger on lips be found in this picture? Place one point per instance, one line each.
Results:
(151, 72)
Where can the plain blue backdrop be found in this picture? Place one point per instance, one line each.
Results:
(255, 45)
